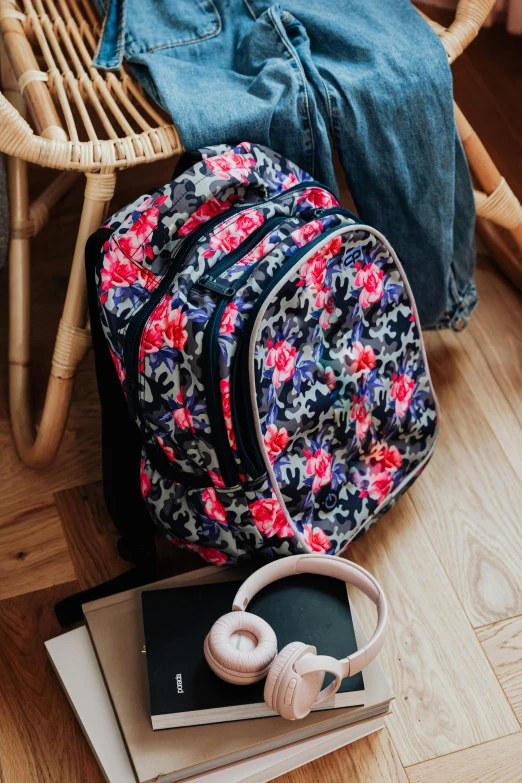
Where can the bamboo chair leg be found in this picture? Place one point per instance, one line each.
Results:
(73, 340)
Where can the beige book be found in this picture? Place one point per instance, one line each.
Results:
(76, 666)
(116, 628)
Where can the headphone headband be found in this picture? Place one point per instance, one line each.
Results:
(325, 565)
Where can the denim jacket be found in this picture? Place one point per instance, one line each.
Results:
(370, 79)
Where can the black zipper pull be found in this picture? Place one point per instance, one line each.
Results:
(217, 286)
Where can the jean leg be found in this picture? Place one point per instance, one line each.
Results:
(311, 148)
(462, 295)
(389, 90)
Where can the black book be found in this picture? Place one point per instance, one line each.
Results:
(183, 689)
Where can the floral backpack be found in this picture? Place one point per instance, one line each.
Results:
(270, 353)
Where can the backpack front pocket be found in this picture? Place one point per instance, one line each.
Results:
(337, 407)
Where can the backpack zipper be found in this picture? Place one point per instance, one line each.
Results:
(210, 360)
(240, 376)
(210, 281)
(209, 354)
(131, 343)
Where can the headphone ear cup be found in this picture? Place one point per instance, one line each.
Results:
(277, 667)
(286, 692)
(241, 667)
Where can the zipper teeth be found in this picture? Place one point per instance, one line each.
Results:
(137, 324)
(246, 335)
(215, 414)
(226, 459)
(246, 246)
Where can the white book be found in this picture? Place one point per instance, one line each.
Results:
(76, 665)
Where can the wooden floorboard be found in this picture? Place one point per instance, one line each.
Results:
(90, 534)
(370, 760)
(497, 335)
(78, 461)
(40, 739)
(447, 695)
(33, 552)
(472, 524)
(494, 762)
(502, 643)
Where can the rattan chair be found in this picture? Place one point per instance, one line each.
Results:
(83, 121)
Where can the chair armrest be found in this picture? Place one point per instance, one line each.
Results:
(16, 135)
(469, 18)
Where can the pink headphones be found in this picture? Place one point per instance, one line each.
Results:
(294, 677)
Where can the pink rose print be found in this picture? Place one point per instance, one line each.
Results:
(371, 280)
(144, 480)
(316, 539)
(146, 278)
(319, 465)
(174, 329)
(402, 392)
(182, 416)
(270, 518)
(276, 441)
(332, 248)
(166, 449)
(213, 506)
(281, 357)
(152, 338)
(161, 311)
(165, 327)
(146, 223)
(213, 556)
(229, 238)
(205, 212)
(225, 240)
(363, 357)
(389, 456)
(330, 378)
(260, 250)
(318, 197)
(289, 182)
(216, 480)
(248, 221)
(380, 485)
(314, 269)
(361, 415)
(117, 270)
(325, 300)
(313, 272)
(134, 241)
(224, 386)
(228, 319)
(231, 165)
(306, 233)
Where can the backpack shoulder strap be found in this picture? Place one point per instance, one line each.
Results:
(121, 455)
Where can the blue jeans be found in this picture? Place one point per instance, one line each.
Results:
(367, 77)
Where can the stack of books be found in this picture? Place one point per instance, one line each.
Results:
(152, 710)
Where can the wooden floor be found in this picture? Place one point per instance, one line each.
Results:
(449, 554)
